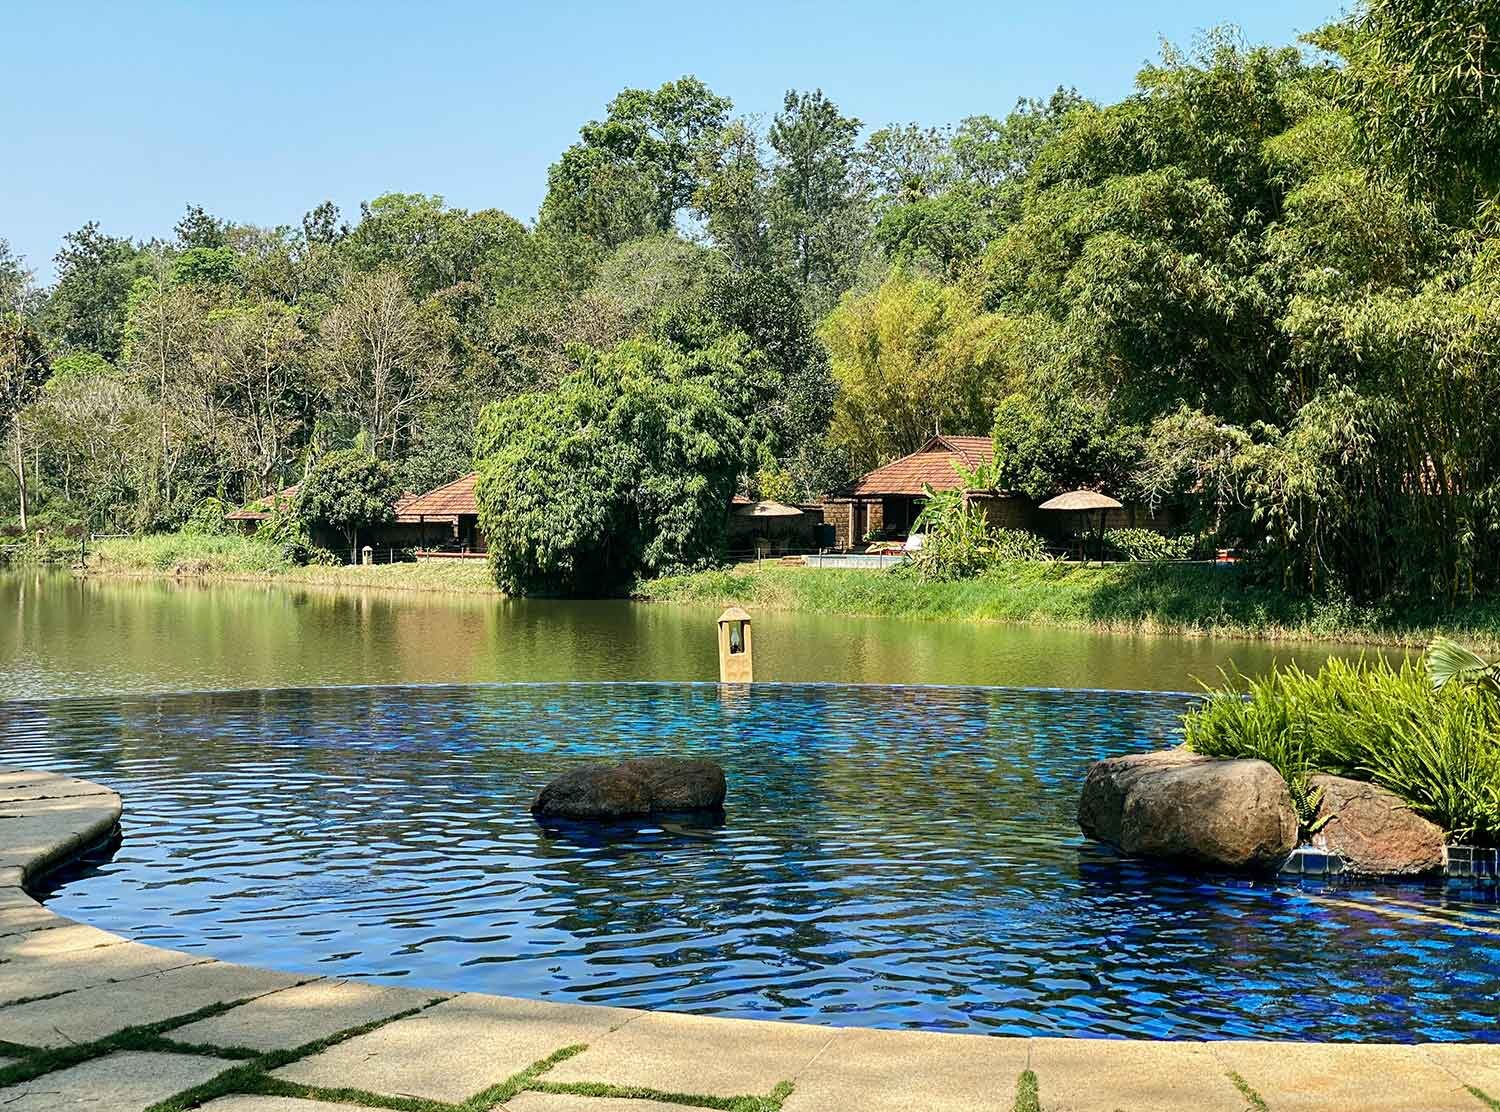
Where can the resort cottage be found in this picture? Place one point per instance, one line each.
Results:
(444, 522)
(885, 503)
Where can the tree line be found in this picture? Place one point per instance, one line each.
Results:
(1262, 286)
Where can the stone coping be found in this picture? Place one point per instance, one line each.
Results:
(91, 1019)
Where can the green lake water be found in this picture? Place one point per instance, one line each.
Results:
(61, 636)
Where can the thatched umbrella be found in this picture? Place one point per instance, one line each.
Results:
(766, 509)
(1085, 502)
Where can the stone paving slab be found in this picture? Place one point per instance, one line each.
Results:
(92, 1013)
(1325, 1077)
(1084, 1075)
(454, 1049)
(19, 810)
(123, 1082)
(690, 1054)
(11, 892)
(61, 787)
(71, 970)
(911, 1071)
(296, 1016)
(34, 842)
(55, 940)
(1472, 1063)
(23, 919)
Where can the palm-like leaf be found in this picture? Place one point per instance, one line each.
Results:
(1448, 661)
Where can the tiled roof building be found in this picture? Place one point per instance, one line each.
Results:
(449, 501)
(931, 464)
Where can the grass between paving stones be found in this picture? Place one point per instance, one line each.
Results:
(1257, 1102)
(1027, 1096)
(771, 1103)
(1481, 1095)
(36, 1061)
(253, 1076)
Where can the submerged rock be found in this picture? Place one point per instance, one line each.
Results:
(1373, 829)
(1175, 804)
(644, 786)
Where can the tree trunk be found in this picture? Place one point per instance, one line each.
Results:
(20, 471)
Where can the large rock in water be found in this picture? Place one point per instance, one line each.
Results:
(631, 788)
(1180, 805)
(1373, 829)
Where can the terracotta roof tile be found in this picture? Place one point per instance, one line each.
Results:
(455, 499)
(931, 464)
(261, 508)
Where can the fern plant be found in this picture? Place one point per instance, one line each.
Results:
(1435, 746)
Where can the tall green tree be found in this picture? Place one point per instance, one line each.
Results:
(913, 357)
(1421, 79)
(634, 171)
(970, 191)
(817, 203)
(197, 229)
(86, 309)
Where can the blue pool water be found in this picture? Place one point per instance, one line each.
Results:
(889, 856)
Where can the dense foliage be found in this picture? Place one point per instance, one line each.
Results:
(1147, 544)
(348, 491)
(1438, 748)
(624, 467)
(959, 540)
(1263, 289)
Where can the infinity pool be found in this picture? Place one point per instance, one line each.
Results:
(889, 857)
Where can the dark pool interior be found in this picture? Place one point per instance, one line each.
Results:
(888, 857)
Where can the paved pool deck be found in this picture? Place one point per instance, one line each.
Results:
(91, 1020)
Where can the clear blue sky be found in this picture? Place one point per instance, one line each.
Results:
(260, 109)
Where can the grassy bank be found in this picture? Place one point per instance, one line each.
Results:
(230, 558)
(1185, 599)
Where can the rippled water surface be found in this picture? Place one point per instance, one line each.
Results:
(890, 856)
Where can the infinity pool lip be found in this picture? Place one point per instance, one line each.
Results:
(458, 685)
(807, 1063)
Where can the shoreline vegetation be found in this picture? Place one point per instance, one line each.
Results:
(1184, 600)
(236, 559)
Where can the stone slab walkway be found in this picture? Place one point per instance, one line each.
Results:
(89, 1020)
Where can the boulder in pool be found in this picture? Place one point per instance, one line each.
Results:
(1374, 830)
(1179, 805)
(644, 786)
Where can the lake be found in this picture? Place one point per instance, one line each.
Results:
(64, 636)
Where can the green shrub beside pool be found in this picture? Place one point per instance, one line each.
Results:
(1437, 748)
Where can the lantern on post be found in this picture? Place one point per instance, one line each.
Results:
(734, 646)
